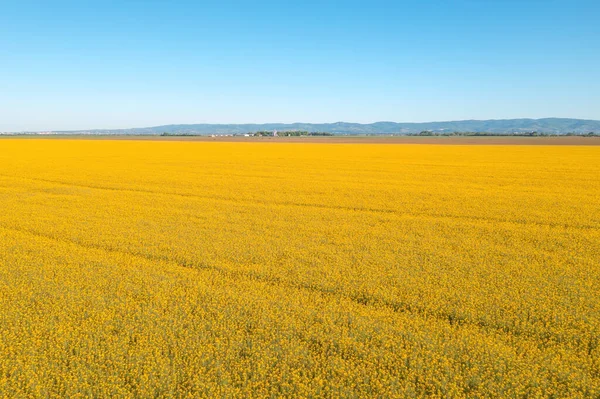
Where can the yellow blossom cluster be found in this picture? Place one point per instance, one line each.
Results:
(144, 269)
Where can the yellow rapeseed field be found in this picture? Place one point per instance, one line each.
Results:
(144, 269)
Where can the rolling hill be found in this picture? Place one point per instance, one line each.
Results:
(546, 125)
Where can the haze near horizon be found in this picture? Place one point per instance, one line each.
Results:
(70, 66)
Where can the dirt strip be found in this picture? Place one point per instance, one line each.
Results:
(459, 140)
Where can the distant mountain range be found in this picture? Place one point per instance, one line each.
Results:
(546, 125)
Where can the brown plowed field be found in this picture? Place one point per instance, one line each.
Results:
(460, 140)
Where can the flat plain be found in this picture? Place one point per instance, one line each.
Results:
(135, 268)
(341, 139)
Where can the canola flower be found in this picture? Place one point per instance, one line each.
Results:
(142, 269)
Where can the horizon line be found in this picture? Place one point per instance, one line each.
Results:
(295, 123)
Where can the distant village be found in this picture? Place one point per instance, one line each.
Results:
(263, 133)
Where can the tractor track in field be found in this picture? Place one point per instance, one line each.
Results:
(452, 318)
(252, 201)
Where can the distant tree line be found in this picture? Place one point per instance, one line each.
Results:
(583, 134)
(178, 134)
(520, 134)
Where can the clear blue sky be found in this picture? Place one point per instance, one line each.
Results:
(109, 64)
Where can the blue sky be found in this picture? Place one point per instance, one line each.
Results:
(110, 64)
